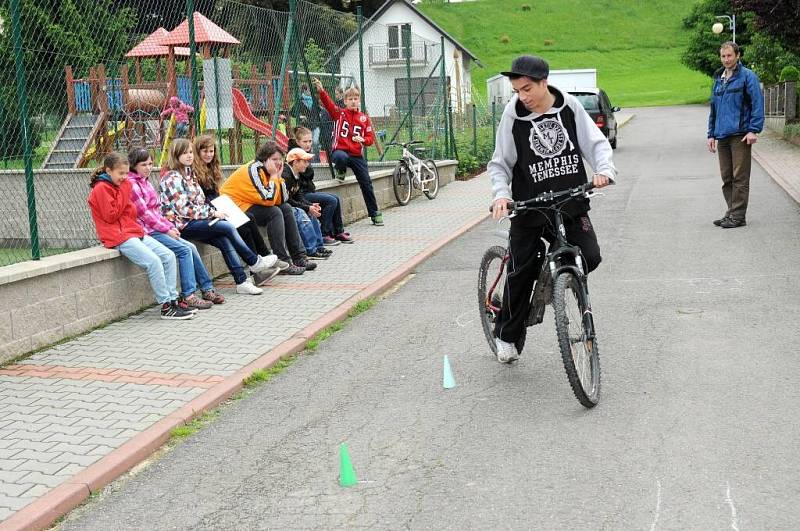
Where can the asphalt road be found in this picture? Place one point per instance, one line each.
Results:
(696, 427)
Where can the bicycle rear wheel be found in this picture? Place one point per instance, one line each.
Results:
(430, 174)
(578, 349)
(401, 183)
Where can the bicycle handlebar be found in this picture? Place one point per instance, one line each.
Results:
(546, 197)
(405, 144)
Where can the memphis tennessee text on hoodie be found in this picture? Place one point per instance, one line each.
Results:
(539, 153)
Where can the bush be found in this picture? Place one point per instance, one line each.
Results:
(11, 141)
(789, 73)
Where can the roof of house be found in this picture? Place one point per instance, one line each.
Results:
(374, 18)
(205, 32)
(151, 46)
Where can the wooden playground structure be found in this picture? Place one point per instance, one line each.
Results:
(106, 113)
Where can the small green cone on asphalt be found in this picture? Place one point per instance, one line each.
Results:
(447, 375)
(347, 476)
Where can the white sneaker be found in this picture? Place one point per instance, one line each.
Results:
(270, 259)
(247, 288)
(506, 352)
(262, 263)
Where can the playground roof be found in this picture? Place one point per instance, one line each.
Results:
(151, 46)
(205, 32)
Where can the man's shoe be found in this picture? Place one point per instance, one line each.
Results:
(377, 219)
(719, 221)
(196, 303)
(732, 223)
(247, 288)
(506, 352)
(306, 264)
(318, 255)
(327, 241)
(281, 265)
(340, 174)
(213, 296)
(270, 259)
(171, 310)
(261, 278)
(345, 237)
(293, 270)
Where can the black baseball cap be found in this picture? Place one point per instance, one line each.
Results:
(529, 65)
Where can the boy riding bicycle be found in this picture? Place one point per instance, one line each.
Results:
(542, 136)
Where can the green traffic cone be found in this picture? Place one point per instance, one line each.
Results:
(448, 382)
(347, 476)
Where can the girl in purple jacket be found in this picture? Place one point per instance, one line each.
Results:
(148, 215)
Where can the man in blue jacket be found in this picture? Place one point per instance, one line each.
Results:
(737, 115)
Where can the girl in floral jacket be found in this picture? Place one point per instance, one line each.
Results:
(183, 203)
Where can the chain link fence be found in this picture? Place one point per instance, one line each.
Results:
(81, 78)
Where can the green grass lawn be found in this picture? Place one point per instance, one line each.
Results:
(635, 45)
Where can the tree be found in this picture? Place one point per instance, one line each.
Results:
(767, 57)
(702, 53)
(778, 18)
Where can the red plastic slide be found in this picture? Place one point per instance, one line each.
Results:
(242, 112)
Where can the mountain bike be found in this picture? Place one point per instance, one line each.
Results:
(411, 171)
(562, 283)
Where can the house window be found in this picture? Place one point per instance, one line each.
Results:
(398, 40)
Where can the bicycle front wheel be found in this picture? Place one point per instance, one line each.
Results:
(430, 178)
(491, 285)
(401, 183)
(578, 349)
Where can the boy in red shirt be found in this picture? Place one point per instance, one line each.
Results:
(353, 131)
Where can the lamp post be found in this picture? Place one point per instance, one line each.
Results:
(718, 27)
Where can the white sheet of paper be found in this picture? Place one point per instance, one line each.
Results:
(226, 205)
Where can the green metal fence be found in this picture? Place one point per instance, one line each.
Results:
(80, 78)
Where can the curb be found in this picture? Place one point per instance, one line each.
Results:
(792, 190)
(42, 512)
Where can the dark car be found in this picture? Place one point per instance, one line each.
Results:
(597, 104)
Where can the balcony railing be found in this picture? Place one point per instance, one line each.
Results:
(385, 55)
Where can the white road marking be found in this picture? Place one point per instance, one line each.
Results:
(734, 516)
(658, 506)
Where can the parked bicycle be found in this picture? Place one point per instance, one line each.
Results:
(411, 171)
(562, 283)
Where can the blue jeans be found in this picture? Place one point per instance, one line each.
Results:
(341, 161)
(223, 236)
(191, 269)
(157, 260)
(331, 218)
(310, 230)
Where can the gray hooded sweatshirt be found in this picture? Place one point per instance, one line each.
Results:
(538, 153)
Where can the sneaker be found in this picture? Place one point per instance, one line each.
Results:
(281, 265)
(718, 222)
(261, 278)
(340, 174)
(309, 266)
(183, 305)
(377, 219)
(506, 352)
(213, 296)
(344, 237)
(171, 310)
(270, 259)
(247, 288)
(293, 270)
(317, 255)
(324, 251)
(263, 263)
(330, 242)
(196, 303)
(732, 223)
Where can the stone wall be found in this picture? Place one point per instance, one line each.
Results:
(60, 296)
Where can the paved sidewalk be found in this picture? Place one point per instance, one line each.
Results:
(781, 159)
(77, 415)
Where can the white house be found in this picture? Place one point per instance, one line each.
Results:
(385, 75)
